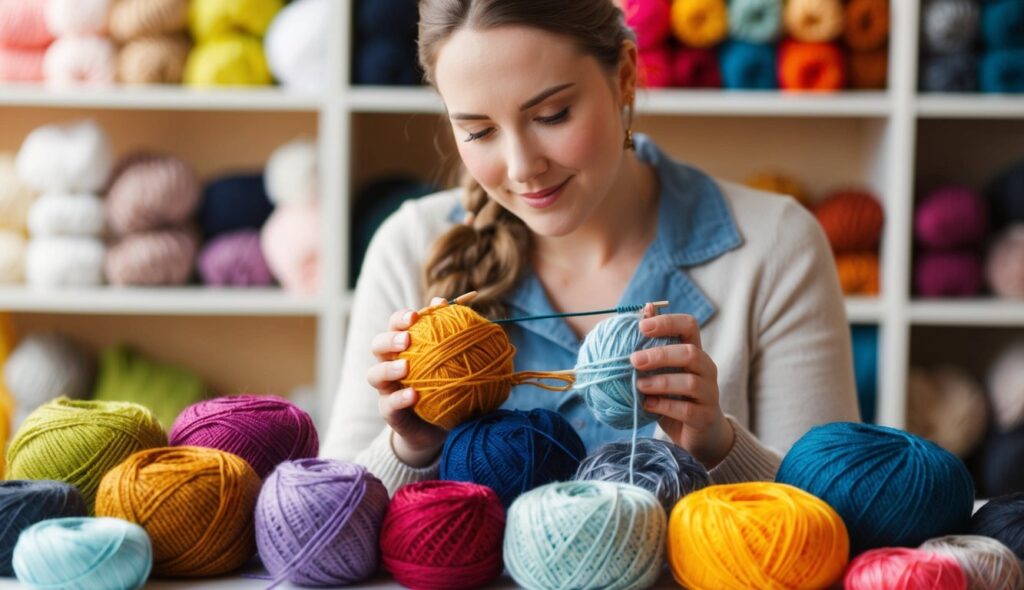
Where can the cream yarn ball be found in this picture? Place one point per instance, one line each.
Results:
(80, 61)
(77, 17)
(15, 197)
(296, 45)
(12, 257)
(1006, 386)
(1004, 266)
(45, 365)
(63, 214)
(62, 261)
(291, 175)
(948, 406)
(291, 245)
(76, 157)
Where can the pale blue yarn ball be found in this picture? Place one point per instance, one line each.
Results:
(605, 376)
(80, 553)
(755, 21)
(585, 534)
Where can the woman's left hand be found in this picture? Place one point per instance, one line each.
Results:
(686, 400)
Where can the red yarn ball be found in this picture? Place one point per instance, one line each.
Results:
(951, 217)
(948, 274)
(852, 220)
(900, 568)
(655, 67)
(443, 535)
(693, 67)
(650, 19)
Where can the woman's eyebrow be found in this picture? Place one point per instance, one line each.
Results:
(541, 97)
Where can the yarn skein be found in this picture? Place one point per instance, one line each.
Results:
(13, 249)
(512, 452)
(292, 173)
(56, 214)
(265, 430)
(80, 441)
(650, 19)
(76, 157)
(654, 67)
(813, 21)
(700, 23)
(660, 467)
(15, 197)
(949, 26)
(696, 68)
(290, 241)
(230, 59)
(948, 274)
(84, 553)
(80, 61)
(900, 568)
(987, 563)
(755, 21)
(158, 257)
(43, 366)
(950, 73)
(24, 503)
(318, 522)
(1005, 381)
(1004, 266)
(209, 18)
(945, 404)
(951, 217)
(755, 535)
(748, 66)
(64, 261)
(1003, 194)
(196, 504)
(868, 70)
(1002, 518)
(781, 184)
(1002, 453)
(585, 534)
(67, 18)
(151, 191)
(867, 24)
(852, 220)
(133, 19)
(235, 259)
(859, 273)
(460, 365)
(296, 45)
(443, 535)
(23, 24)
(818, 67)
(153, 60)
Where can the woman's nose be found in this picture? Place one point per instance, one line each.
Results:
(524, 161)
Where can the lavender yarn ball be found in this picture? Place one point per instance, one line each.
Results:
(151, 191)
(318, 522)
(949, 26)
(1004, 267)
(950, 73)
(162, 257)
(660, 467)
(235, 260)
(948, 274)
(951, 217)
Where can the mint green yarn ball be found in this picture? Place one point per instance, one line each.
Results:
(585, 534)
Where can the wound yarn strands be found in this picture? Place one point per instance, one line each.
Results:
(660, 467)
(196, 504)
(131, 19)
(817, 67)
(153, 60)
(443, 535)
(512, 452)
(1004, 265)
(755, 21)
(867, 24)
(151, 191)
(899, 568)
(700, 23)
(892, 488)
(318, 522)
(74, 157)
(160, 257)
(852, 220)
(813, 21)
(1002, 518)
(84, 554)
(60, 214)
(945, 404)
(80, 441)
(949, 26)
(265, 430)
(43, 366)
(987, 563)
(585, 534)
(235, 259)
(461, 366)
(649, 20)
(24, 503)
(755, 535)
(1006, 386)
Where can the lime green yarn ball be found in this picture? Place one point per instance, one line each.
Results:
(228, 60)
(78, 442)
(210, 18)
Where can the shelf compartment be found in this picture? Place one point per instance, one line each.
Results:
(175, 301)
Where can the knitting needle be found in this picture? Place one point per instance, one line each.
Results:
(621, 309)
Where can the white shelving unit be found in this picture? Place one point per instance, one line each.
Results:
(879, 129)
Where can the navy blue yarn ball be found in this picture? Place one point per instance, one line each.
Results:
(748, 66)
(396, 19)
(865, 369)
(512, 452)
(386, 62)
(234, 202)
(1002, 24)
(950, 73)
(1002, 519)
(1006, 197)
(892, 488)
(1002, 71)
(1002, 461)
(374, 204)
(24, 503)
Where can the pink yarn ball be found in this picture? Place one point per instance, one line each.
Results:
(23, 24)
(163, 257)
(21, 65)
(235, 259)
(693, 67)
(80, 61)
(151, 191)
(1004, 267)
(291, 245)
(900, 568)
(948, 274)
(77, 17)
(951, 217)
(650, 19)
(655, 67)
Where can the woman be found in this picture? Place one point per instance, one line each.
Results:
(564, 209)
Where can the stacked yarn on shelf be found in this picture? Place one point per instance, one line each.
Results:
(853, 220)
(24, 38)
(229, 42)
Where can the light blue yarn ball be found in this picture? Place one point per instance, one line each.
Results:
(755, 21)
(585, 534)
(604, 375)
(80, 553)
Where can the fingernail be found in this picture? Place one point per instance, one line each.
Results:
(400, 338)
(639, 358)
(407, 395)
(396, 367)
(644, 382)
(407, 318)
(646, 325)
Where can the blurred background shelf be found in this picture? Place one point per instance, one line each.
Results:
(159, 301)
(975, 312)
(970, 106)
(160, 98)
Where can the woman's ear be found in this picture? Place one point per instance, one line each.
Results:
(627, 72)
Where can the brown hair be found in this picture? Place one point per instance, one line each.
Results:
(489, 254)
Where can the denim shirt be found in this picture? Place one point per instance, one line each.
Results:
(695, 226)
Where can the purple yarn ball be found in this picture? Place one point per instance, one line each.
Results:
(235, 259)
(951, 217)
(948, 274)
(318, 522)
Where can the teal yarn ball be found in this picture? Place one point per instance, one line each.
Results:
(606, 378)
(83, 554)
(755, 21)
(585, 534)
(892, 488)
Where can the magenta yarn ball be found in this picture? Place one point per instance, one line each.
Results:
(948, 274)
(694, 67)
(1004, 267)
(151, 191)
(650, 19)
(161, 257)
(951, 217)
(655, 67)
(235, 259)
(265, 430)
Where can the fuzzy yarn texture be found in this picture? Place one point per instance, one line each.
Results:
(159, 257)
(1002, 518)
(1004, 195)
(21, 65)
(1004, 266)
(867, 24)
(901, 568)
(945, 404)
(868, 70)
(700, 23)
(196, 504)
(44, 366)
(265, 430)
(748, 66)
(950, 73)
(296, 45)
(949, 26)
(236, 202)
(695, 68)
(987, 563)
(60, 261)
(229, 59)
(1005, 382)
(948, 274)
(151, 191)
(852, 220)
(654, 67)
(951, 217)
(26, 502)
(80, 61)
(291, 246)
(235, 260)
(77, 17)
(63, 214)
(755, 21)
(292, 174)
(210, 18)
(649, 19)
(13, 247)
(23, 24)
(16, 197)
(1002, 24)
(153, 60)
(813, 21)
(859, 273)
(73, 157)
(134, 19)
(819, 67)
(1002, 71)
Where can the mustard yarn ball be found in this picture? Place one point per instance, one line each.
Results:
(228, 60)
(212, 18)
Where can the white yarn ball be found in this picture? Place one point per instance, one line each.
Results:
(63, 214)
(291, 174)
(80, 61)
(948, 406)
(1006, 386)
(290, 240)
(296, 45)
(77, 17)
(43, 366)
(15, 197)
(12, 257)
(74, 158)
(65, 262)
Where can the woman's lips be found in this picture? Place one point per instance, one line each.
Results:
(544, 198)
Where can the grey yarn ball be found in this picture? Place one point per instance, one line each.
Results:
(987, 563)
(44, 366)
(949, 26)
(950, 73)
(660, 467)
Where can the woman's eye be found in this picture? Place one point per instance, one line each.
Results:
(479, 134)
(556, 118)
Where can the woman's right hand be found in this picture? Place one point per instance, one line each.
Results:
(415, 441)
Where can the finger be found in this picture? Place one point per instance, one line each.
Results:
(681, 384)
(385, 345)
(680, 325)
(401, 319)
(437, 301)
(689, 413)
(675, 356)
(384, 376)
(393, 403)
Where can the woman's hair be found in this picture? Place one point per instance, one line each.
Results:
(489, 254)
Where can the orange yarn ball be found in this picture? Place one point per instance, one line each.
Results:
(852, 220)
(817, 67)
(756, 535)
(700, 23)
(858, 273)
(196, 504)
(867, 24)
(869, 70)
(780, 184)
(813, 21)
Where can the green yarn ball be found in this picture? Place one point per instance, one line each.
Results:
(78, 442)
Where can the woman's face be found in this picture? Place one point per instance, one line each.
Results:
(537, 123)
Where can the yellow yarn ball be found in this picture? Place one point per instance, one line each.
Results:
(700, 23)
(229, 60)
(213, 18)
(780, 184)
(762, 535)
